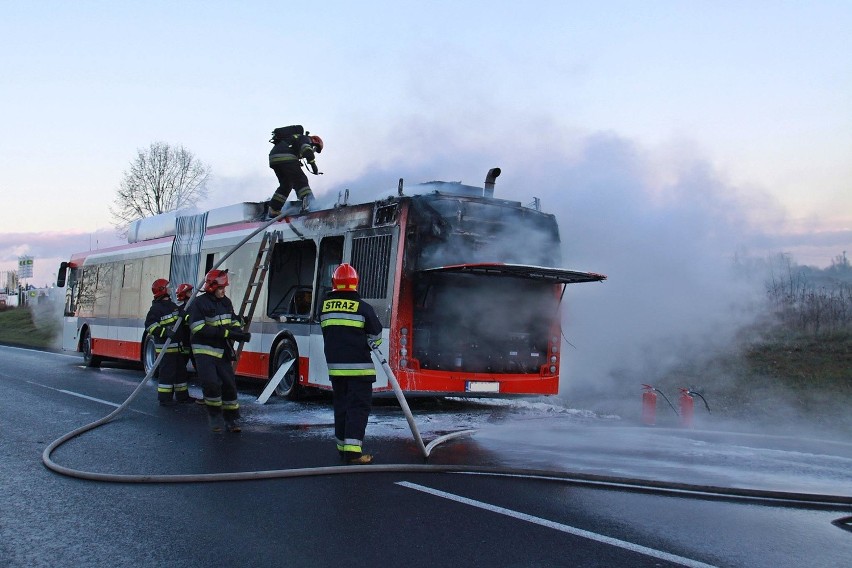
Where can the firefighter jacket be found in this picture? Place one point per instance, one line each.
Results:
(162, 316)
(210, 321)
(184, 335)
(290, 149)
(348, 323)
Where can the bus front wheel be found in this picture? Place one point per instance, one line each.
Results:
(86, 344)
(289, 386)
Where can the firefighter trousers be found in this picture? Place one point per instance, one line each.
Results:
(290, 177)
(353, 399)
(168, 377)
(219, 385)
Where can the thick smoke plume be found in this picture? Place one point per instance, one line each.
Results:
(666, 234)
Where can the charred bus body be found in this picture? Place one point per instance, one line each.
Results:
(468, 288)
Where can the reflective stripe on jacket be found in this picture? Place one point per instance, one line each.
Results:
(162, 316)
(292, 148)
(347, 324)
(210, 321)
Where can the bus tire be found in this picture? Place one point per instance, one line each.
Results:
(86, 347)
(149, 355)
(289, 387)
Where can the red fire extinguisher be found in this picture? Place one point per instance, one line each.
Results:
(649, 405)
(687, 408)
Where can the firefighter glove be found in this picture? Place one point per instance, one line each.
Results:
(374, 343)
(314, 167)
(171, 334)
(238, 335)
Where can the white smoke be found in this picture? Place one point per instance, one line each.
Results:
(665, 232)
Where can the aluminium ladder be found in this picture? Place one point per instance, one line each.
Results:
(255, 284)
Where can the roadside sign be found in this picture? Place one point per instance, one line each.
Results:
(25, 267)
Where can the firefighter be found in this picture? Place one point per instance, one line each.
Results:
(350, 329)
(292, 144)
(182, 294)
(213, 324)
(162, 316)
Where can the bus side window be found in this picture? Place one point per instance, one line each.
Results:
(302, 302)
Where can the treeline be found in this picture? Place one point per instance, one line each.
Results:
(810, 300)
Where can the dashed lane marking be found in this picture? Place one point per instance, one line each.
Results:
(560, 527)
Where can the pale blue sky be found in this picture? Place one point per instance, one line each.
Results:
(757, 94)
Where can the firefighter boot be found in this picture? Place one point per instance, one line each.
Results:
(357, 458)
(216, 422)
(308, 203)
(272, 213)
(233, 426)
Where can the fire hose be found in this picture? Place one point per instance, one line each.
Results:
(612, 482)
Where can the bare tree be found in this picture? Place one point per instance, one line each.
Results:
(162, 178)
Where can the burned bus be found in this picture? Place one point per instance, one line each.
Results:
(468, 288)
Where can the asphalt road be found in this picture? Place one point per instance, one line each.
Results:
(354, 519)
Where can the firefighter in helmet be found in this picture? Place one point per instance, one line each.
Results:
(350, 330)
(162, 317)
(182, 295)
(213, 325)
(290, 147)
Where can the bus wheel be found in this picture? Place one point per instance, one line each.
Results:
(89, 359)
(289, 386)
(149, 355)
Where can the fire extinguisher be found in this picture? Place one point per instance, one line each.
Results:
(687, 408)
(649, 405)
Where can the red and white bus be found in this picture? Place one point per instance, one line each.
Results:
(467, 288)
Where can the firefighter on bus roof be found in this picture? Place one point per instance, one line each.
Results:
(292, 144)
(213, 325)
(162, 317)
(350, 329)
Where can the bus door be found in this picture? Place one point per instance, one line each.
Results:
(330, 257)
(69, 319)
(290, 292)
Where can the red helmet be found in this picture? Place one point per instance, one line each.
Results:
(160, 288)
(317, 142)
(183, 292)
(344, 278)
(215, 279)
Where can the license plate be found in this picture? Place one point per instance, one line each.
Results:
(481, 386)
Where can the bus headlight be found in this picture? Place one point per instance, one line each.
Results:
(403, 362)
(403, 352)
(553, 368)
(553, 359)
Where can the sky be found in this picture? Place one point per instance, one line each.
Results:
(589, 105)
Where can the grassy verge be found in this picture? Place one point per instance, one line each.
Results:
(786, 382)
(18, 326)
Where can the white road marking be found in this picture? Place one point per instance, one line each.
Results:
(72, 393)
(560, 527)
(87, 397)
